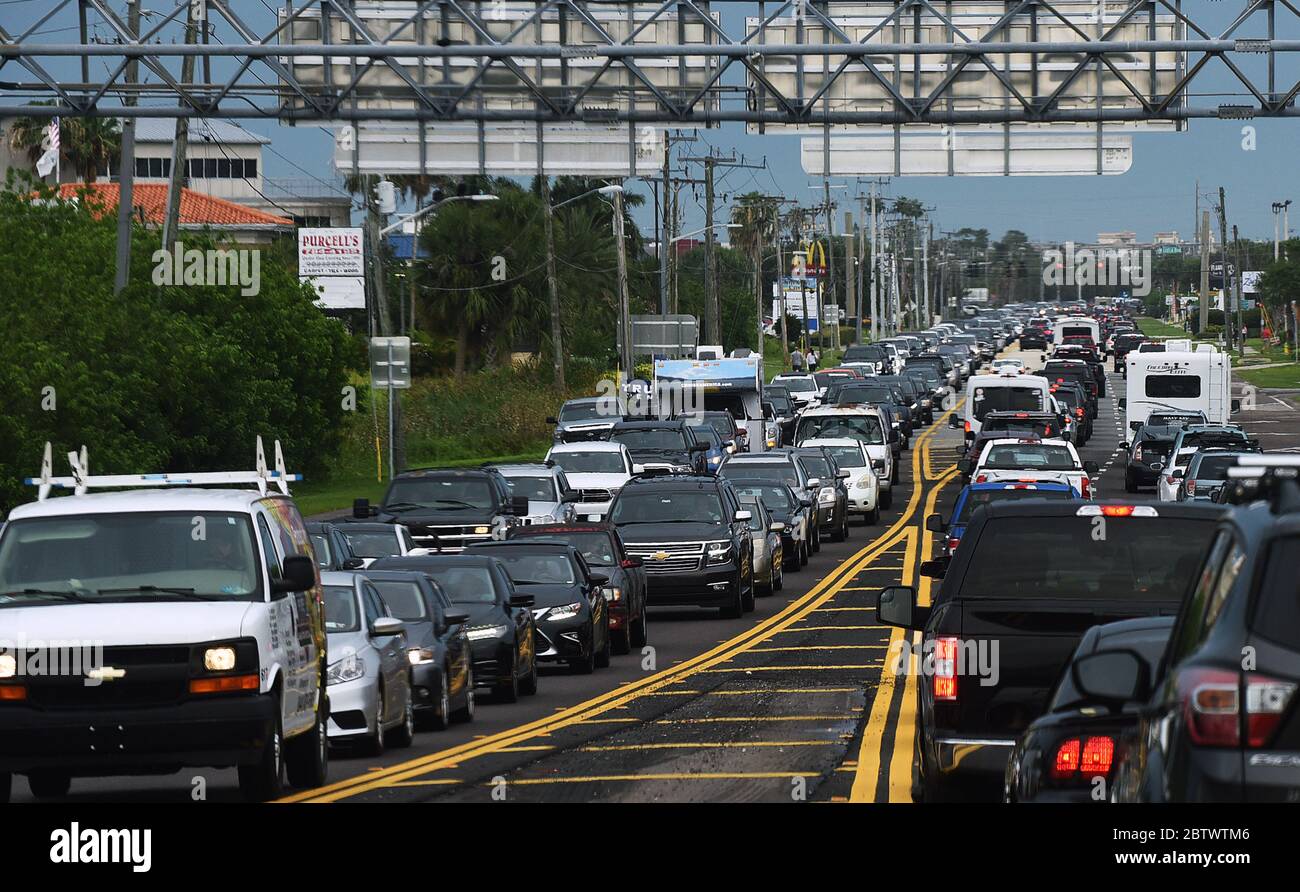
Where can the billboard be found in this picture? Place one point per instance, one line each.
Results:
(793, 292)
(333, 261)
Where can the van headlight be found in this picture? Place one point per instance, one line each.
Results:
(866, 483)
(216, 659)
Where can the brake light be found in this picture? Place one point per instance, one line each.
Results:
(1098, 753)
(1117, 510)
(1212, 704)
(953, 543)
(968, 427)
(945, 668)
(1067, 759)
(1191, 487)
(1085, 487)
(1079, 412)
(982, 478)
(1047, 431)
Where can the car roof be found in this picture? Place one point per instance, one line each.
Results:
(519, 469)
(363, 526)
(1039, 486)
(673, 424)
(517, 544)
(1072, 507)
(588, 446)
(679, 482)
(560, 529)
(430, 561)
(382, 575)
(188, 498)
(415, 473)
(339, 577)
(832, 441)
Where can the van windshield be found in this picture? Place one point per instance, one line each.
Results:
(136, 556)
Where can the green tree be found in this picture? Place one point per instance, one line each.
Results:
(89, 145)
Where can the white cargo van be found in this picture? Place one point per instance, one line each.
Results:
(1177, 381)
(185, 616)
(1009, 391)
(1068, 326)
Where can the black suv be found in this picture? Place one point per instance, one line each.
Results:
(663, 445)
(446, 509)
(833, 495)
(1030, 578)
(692, 536)
(1148, 453)
(1219, 719)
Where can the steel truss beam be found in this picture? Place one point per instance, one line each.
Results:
(501, 79)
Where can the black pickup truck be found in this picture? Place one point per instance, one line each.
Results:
(1030, 578)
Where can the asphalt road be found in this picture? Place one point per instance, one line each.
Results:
(791, 703)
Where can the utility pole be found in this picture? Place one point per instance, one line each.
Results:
(1236, 296)
(925, 274)
(875, 269)
(1223, 253)
(712, 301)
(552, 279)
(624, 317)
(780, 288)
(850, 283)
(828, 286)
(126, 176)
(1203, 312)
(180, 143)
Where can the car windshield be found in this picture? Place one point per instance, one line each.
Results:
(855, 427)
(580, 411)
(370, 544)
(707, 432)
(798, 385)
(1028, 456)
(596, 547)
(977, 497)
(776, 498)
(781, 404)
(465, 585)
(154, 556)
(667, 506)
(847, 456)
(1152, 558)
(534, 568)
(1003, 398)
(590, 462)
(341, 614)
(864, 393)
(776, 472)
(404, 599)
(536, 488)
(660, 439)
(442, 493)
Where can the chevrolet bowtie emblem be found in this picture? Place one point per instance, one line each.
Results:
(105, 673)
(659, 556)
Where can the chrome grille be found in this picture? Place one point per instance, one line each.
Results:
(594, 495)
(669, 557)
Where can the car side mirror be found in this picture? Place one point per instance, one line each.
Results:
(841, 475)
(814, 482)
(955, 421)
(571, 497)
(1112, 676)
(522, 600)
(1178, 473)
(550, 420)
(297, 574)
(1122, 402)
(598, 579)
(1157, 466)
(354, 563)
(699, 447)
(743, 515)
(806, 502)
(896, 606)
(964, 465)
(386, 626)
(778, 526)
(893, 436)
(632, 561)
(519, 506)
(1125, 445)
(1091, 468)
(1236, 407)
(456, 619)
(638, 470)
(935, 568)
(934, 523)
(362, 509)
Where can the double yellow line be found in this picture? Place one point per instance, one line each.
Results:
(795, 611)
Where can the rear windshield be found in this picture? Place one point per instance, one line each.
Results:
(1036, 456)
(1151, 558)
(1215, 467)
(651, 438)
(1277, 608)
(595, 545)
(976, 498)
(855, 427)
(1042, 427)
(1004, 398)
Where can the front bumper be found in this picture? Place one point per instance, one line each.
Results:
(863, 501)
(221, 731)
(710, 587)
(353, 707)
(569, 639)
(492, 660)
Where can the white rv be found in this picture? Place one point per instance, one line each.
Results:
(1178, 381)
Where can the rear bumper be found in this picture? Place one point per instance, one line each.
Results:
(226, 730)
(973, 757)
(1141, 474)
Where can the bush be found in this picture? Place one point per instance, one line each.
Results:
(157, 378)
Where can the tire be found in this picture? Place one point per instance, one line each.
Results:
(804, 553)
(893, 475)
(586, 665)
(640, 633)
(265, 779)
(623, 639)
(374, 745)
(886, 500)
(602, 655)
(779, 581)
(404, 734)
(529, 684)
(1129, 485)
(735, 609)
(49, 784)
(747, 597)
(6, 787)
(466, 712)
(844, 530)
(439, 719)
(507, 691)
(874, 517)
(307, 756)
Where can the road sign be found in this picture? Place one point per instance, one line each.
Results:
(390, 363)
(671, 336)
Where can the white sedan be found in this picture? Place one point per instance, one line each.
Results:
(1171, 476)
(863, 485)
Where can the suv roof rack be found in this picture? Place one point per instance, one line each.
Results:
(81, 480)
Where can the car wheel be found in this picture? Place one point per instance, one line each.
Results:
(373, 745)
(804, 553)
(623, 638)
(264, 779)
(6, 787)
(49, 784)
(735, 609)
(466, 712)
(441, 718)
(602, 655)
(585, 665)
(747, 598)
(404, 734)
(1129, 485)
(529, 684)
(886, 501)
(507, 690)
(307, 756)
(844, 529)
(640, 633)
(778, 581)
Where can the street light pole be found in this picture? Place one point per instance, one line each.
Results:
(624, 314)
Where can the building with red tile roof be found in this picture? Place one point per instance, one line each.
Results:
(243, 224)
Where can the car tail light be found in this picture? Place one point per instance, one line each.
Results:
(1067, 759)
(1117, 510)
(945, 668)
(627, 563)
(1079, 412)
(982, 478)
(1085, 487)
(953, 543)
(1212, 704)
(968, 427)
(1137, 453)
(1098, 754)
(1191, 487)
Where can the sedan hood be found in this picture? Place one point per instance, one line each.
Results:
(660, 533)
(550, 595)
(129, 623)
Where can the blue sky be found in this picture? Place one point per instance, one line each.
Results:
(1157, 194)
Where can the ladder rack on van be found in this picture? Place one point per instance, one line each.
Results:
(81, 480)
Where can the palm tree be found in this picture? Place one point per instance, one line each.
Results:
(756, 216)
(89, 145)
